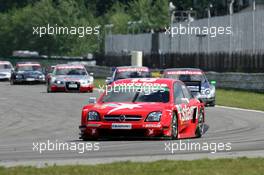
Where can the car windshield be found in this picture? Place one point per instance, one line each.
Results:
(5, 66)
(70, 71)
(132, 74)
(29, 68)
(187, 77)
(137, 94)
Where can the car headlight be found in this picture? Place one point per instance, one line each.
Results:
(41, 77)
(85, 82)
(58, 82)
(93, 116)
(213, 90)
(207, 92)
(18, 76)
(91, 79)
(154, 117)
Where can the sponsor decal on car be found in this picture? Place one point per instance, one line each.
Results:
(132, 70)
(121, 126)
(20, 65)
(70, 67)
(184, 72)
(124, 106)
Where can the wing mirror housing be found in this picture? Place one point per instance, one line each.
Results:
(213, 82)
(92, 100)
(108, 80)
(185, 100)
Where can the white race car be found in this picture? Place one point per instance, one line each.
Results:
(5, 70)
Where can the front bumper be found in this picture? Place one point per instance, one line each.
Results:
(62, 88)
(207, 100)
(28, 80)
(104, 129)
(5, 76)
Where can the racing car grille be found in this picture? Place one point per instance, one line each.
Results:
(121, 118)
(68, 85)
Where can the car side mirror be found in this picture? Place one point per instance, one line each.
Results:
(92, 100)
(185, 100)
(108, 80)
(213, 82)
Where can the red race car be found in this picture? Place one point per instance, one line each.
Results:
(147, 107)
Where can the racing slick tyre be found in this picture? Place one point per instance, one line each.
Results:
(212, 104)
(48, 88)
(174, 127)
(200, 125)
(12, 82)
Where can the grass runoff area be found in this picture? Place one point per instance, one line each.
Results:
(232, 98)
(241, 166)
(240, 99)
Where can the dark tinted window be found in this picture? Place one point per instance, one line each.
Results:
(135, 74)
(128, 95)
(178, 93)
(186, 77)
(71, 71)
(186, 92)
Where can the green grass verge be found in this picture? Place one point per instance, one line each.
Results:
(99, 81)
(241, 166)
(240, 99)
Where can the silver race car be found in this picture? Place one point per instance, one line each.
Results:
(196, 81)
(69, 77)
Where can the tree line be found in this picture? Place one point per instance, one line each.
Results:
(19, 17)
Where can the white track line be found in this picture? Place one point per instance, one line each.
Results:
(240, 109)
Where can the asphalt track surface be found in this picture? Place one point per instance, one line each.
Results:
(29, 115)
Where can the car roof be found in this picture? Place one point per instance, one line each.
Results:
(5, 62)
(131, 67)
(183, 69)
(69, 65)
(167, 81)
(27, 62)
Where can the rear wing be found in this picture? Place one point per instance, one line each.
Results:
(193, 86)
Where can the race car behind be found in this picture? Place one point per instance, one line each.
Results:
(196, 81)
(147, 107)
(5, 70)
(70, 78)
(28, 72)
(128, 72)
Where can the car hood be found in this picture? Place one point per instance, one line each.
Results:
(30, 73)
(138, 108)
(5, 70)
(71, 77)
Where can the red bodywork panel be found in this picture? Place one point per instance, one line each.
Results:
(187, 114)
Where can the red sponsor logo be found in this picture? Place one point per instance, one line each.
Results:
(184, 73)
(133, 70)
